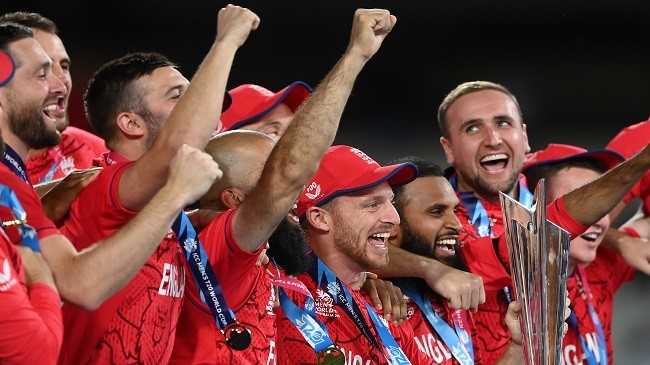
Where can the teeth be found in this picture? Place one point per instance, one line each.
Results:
(590, 236)
(500, 156)
(50, 107)
(381, 236)
(446, 242)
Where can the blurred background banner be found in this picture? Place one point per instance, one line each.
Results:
(580, 70)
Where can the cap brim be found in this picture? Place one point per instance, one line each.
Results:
(293, 95)
(608, 158)
(7, 68)
(397, 174)
(227, 101)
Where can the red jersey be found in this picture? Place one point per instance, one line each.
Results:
(75, 151)
(427, 338)
(30, 202)
(488, 257)
(30, 318)
(138, 323)
(628, 142)
(342, 330)
(248, 291)
(604, 276)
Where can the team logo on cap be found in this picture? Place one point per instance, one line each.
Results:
(313, 191)
(262, 90)
(362, 156)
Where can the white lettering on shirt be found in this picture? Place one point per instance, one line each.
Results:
(172, 283)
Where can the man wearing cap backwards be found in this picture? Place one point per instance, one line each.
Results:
(595, 273)
(262, 180)
(256, 108)
(347, 213)
(96, 271)
(485, 141)
(77, 148)
(429, 227)
(145, 110)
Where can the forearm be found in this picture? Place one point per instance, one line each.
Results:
(93, 281)
(406, 264)
(589, 203)
(317, 122)
(196, 115)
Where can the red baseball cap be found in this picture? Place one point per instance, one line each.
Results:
(251, 102)
(556, 152)
(7, 68)
(631, 139)
(344, 170)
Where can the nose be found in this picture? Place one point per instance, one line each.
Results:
(62, 75)
(452, 222)
(491, 136)
(390, 215)
(56, 86)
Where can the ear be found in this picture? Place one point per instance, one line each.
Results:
(318, 218)
(131, 125)
(446, 146)
(231, 197)
(527, 148)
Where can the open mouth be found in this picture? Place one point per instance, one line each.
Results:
(494, 163)
(446, 247)
(379, 241)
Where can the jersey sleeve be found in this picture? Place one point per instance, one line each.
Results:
(31, 320)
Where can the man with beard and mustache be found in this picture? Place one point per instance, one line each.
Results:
(77, 148)
(429, 227)
(96, 271)
(112, 300)
(485, 141)
(30, 314)
(236, 324)
(347, 214)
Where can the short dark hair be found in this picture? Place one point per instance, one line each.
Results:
(31, 20)
(11, 32)
(425, 168)
(113, 89)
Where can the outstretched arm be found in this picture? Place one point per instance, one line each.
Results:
(590, 202)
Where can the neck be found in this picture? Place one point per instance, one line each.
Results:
(344, 269)
(131, 150)
(37, 153)
(16, 144)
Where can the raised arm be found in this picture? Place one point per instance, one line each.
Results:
(196, 115)
(296, 155)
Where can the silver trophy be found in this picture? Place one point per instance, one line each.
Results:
(539, 256)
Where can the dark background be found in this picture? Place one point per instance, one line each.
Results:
(580, 69)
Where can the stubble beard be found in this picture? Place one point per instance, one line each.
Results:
(28, 125)
(346, 241)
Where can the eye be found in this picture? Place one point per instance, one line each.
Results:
(504, 123)
(471, 129)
